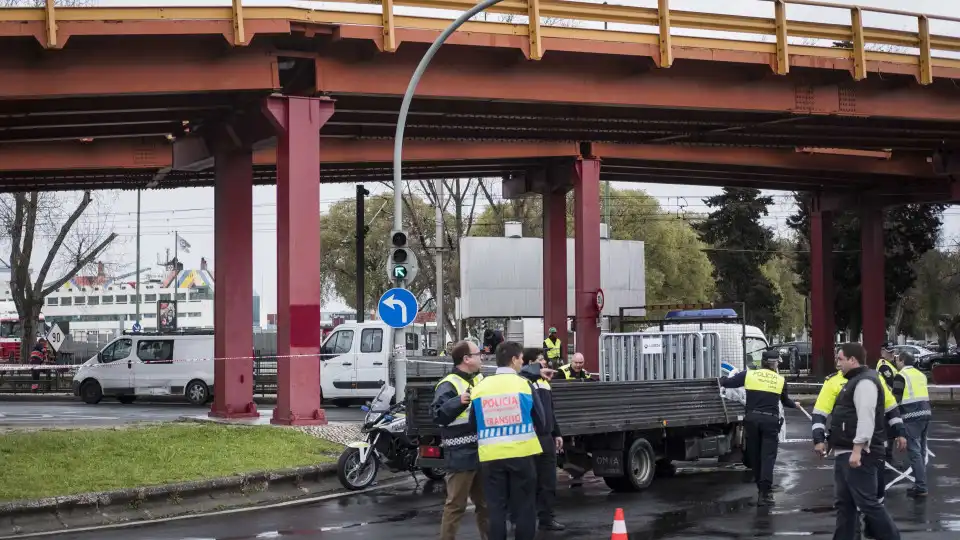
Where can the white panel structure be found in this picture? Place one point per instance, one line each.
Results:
(503, 277)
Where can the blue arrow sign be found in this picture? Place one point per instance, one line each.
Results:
(398, 308)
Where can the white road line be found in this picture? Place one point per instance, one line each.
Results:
(148, 522)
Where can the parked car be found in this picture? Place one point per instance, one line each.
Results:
(927, 362)
(917, 351)
(798, 361)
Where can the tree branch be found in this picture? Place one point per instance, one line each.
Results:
(55, 247)
(80, 263)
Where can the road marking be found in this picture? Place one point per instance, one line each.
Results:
(146, 522)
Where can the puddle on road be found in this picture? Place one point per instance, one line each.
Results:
(668, 523)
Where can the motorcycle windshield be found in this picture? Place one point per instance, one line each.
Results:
(381, 403)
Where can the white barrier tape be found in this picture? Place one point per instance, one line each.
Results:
(805, 413)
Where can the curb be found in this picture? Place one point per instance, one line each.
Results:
(256, 481)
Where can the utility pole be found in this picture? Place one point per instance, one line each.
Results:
(361, 236)
(438, 262)
(138, 257)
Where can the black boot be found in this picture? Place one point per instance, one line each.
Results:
(552, 525)
(765, 498)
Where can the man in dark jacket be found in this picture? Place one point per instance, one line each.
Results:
(451, 411)
(536, 371)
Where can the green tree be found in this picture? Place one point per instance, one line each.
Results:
(935, 292)
(739, 247)
(909, 231)
(677, 269)
(780, 270)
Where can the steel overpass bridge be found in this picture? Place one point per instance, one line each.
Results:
(229, 97)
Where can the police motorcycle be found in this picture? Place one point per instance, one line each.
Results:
(386, 444)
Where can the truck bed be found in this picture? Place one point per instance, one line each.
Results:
(585, 408)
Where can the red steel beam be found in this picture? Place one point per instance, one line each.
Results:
(144, 154)
(139, 154)
(467, 73)
(144, 66)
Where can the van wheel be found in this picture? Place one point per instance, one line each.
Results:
(126, 400)
(197, 392)
(91, 393)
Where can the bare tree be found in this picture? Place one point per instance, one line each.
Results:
(74, 244)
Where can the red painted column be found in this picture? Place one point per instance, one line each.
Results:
(555, 265)
(586, 187)
(821, 291)
(872, 289)
(233, 294)
(298, 122)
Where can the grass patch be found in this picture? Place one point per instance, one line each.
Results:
(65, 462)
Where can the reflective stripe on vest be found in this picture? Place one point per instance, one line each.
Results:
(552, 347)
(828, 398)
(568, 372)
(764, 380)
(503, 406)
(544, 384)
(916, 396)
(461, 386)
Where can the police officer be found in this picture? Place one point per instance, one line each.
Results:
(910, 386)
(885, 366)
(574, 370)
(826, 401)
(766, 389)
(507, 415)
(451, 411)
(535, 370)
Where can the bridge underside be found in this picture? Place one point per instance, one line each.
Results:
(162, 112)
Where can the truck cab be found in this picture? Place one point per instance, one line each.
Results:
(355, 360)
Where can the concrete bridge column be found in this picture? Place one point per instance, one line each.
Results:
(233, 273)
(872, 288)
(298, 122)
(555, 262)
(586, 187)
(821, 289)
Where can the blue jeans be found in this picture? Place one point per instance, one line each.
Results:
(917, 450)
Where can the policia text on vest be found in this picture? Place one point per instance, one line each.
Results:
(766, 390)
(507, 415)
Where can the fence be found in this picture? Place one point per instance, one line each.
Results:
(656, 356)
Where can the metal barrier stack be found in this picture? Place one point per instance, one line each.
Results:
(659, 356)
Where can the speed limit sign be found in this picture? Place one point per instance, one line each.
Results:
(56, 337)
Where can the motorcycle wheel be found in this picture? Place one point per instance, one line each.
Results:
(351, 475)
(436, 475)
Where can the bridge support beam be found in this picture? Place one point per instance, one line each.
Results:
(233, 301)
(821, 289)
(298, 122)
(555, 263)
(586, 187)
(872, 286)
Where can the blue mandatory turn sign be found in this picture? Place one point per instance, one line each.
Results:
(398, 308)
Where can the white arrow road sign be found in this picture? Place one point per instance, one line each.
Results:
(396, 304)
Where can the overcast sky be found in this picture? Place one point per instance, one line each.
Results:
(190, 211)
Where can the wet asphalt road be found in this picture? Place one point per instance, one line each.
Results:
(23, 414)
(702, 502)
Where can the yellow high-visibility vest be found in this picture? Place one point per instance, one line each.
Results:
(553, 348)
(503, 408)
(461, 386)
(916, 396)
(764, 380)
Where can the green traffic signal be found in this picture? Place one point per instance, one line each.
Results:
(400, 272)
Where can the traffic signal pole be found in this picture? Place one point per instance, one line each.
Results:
(398, 336)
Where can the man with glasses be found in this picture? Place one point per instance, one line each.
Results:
(451, 411)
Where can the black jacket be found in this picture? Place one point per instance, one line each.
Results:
(759, 401)
(551, 430)
(460, 441)
(843, 422)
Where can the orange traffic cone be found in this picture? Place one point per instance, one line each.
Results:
(619, 526)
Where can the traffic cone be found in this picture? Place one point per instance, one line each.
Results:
(619, 526)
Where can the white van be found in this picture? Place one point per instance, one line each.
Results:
(149, 365)
(732, 334)
(355, 361)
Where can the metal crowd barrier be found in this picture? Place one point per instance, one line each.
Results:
(659, 356)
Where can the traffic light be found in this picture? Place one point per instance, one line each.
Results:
(402, 263)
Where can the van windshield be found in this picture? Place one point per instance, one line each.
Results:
(755, 347)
